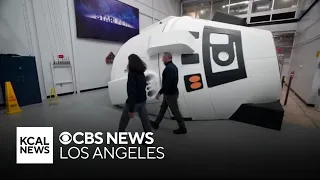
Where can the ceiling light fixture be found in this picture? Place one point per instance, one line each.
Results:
(234, 4)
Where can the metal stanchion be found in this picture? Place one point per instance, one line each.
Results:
(282, 81)
(288, 90)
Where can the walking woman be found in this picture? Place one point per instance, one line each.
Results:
(136, 91)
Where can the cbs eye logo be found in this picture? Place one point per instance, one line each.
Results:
(65, 138)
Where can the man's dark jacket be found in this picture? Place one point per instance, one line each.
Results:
(136, 89)
(170, 78)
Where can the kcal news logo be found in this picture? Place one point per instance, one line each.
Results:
(34, 145)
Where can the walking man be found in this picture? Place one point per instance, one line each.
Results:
(170, 78)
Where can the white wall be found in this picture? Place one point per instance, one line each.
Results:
(89, 55)
(303, 57)
(285, 68)
(316, 83)
(46, 28)
(13, 31)
(53, 32)
(18, 34)
(12, 35)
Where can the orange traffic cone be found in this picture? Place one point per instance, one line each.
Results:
(12, 105)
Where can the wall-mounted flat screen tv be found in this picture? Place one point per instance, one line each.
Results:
(109, 20)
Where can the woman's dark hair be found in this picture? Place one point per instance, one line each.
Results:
(136, 64)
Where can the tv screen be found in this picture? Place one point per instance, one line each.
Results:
(109, 20)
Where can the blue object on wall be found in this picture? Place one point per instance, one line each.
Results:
(21, 71)
(109, 20)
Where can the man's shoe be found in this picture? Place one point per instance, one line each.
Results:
(180, 131)
(154, 125)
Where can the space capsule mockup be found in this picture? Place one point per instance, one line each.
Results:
(222, 67)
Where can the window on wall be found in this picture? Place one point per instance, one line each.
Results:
(281, 4)
(261, 10)
(261, 5)
(190, 10)
(204, 10)
(238, 7)
(199, 10)
(220, 5)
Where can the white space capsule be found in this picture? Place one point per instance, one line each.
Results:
(221, 67)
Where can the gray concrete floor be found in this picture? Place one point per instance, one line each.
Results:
(211, 148)
(296, 112)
